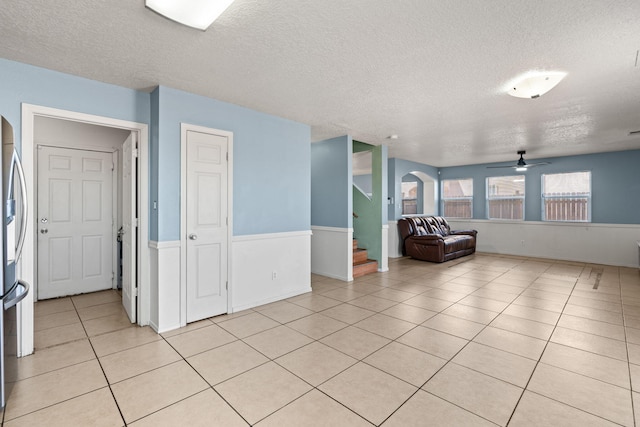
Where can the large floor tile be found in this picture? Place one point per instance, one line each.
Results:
(355, 342)
(315, 302)
(584, 393)
(262, 391)
(96, 408)
(347, 313)
(123, 339)
(589, 342)
(594, 327)
(454, 325)
(314, 409)
(96, 298)
(286, 312)
(409, 313)
(106, 324)
(128, 363)
(227, 361)
(499, 364)
(199, 340)
(407, 363)
(56, 319)
(607, 369)
(386, 326)
(144, 394)
(512, 342)
(44, 390)
(434, 342)
(317, 326)
(424, 406)
(593, 314)
(51, 359)
(535, 410)
(58, 335)
(523, 326)
(532, 313)
(277, 341)
(316, 362)
(484, 303)
(101, 310)
(428, 303)
(481, 394)
(368, 391)
(247, 325)
(203, 409)
(50, 306)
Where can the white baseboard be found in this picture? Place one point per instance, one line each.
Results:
(332, 252)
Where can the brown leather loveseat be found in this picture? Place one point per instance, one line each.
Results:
(430, 238)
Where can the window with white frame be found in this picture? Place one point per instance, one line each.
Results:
(457, 198)
(409, 198)
(566, 197)
(505, 197)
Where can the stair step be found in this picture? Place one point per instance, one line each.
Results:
(362, 268)
(355, 244)
(360, 255)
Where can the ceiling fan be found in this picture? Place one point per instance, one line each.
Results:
(521, 166)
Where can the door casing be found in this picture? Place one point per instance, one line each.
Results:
(28, 263)
(184, 128)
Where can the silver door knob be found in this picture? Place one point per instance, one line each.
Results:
(193, 237)
(44, 231)
(44, 220)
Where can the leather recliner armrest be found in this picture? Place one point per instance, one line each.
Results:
(430, 239)
(473, 233)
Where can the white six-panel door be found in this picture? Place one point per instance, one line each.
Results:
(74, 222)
(129, 227)
(206, 224)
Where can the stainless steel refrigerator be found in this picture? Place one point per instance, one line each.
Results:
(14, 212)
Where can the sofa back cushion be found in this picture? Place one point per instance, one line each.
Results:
(439, 225)
(420, 226)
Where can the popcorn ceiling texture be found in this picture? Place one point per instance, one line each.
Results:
(432, 72)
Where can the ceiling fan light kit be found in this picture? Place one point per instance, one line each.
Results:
(198, 14)
(521, 166)
(534, 84)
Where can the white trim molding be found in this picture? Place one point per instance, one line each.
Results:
(165, 273)
(609, 244)
(269, 267)
(395, 241)
(332, 252)
(384, 236)
(28, 263)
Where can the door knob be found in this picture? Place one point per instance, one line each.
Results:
(193, 237)
(44, 231)
(44, 220)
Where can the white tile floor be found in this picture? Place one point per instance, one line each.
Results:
(484, 340)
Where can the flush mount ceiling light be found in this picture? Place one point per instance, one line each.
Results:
(534, 84)
(192, 13)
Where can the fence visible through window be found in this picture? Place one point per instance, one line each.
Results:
(457, 208)
(573, 208)
(506, 208)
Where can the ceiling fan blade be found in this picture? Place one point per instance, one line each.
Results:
(530, 165)
(503, 167)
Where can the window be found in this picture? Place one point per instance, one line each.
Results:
(505, 197)
(566, 197)
(409, 198)
(457, 198)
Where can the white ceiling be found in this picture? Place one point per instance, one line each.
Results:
(431, 71)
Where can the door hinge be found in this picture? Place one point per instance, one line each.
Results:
(134, 292)
(227, 156)
(113, 166)
(134, 152)
(226, 286)
(135, 222)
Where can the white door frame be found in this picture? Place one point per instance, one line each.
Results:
(28, 262)
(184, 127)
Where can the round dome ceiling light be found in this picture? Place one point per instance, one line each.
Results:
(534, 84)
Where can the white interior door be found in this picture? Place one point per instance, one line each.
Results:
(206, 225)
(129, 227)
(75, 208)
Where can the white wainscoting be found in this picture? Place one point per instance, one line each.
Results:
(165, 285)
(384, 264)
(610, 244)
(395, 242)
(332, 252)
(269, 267)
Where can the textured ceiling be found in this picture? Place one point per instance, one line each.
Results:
(431, 71)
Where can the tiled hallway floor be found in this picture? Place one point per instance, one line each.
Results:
(485, 340)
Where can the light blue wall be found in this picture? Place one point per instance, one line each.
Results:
(364, 182)
(21, 83)
(271, 163)
(399, 168)
(331, 182)
(615, 184)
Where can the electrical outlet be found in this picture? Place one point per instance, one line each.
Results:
(274, 275)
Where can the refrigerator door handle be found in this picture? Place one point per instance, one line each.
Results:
(23, 197)
(19, 297)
